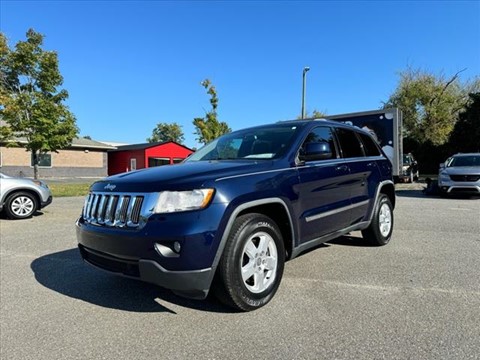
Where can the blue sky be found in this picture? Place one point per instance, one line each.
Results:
(129, 65)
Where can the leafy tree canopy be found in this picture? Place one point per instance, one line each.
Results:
(430, 103)
(465, 136)
(31, 102)
(167, 132)
(316, 114)
(209, 127)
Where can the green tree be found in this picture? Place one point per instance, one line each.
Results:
(465, 136)
(209, 127)
(316, 114)
(430, 103)
(167, 132)
(31, 103)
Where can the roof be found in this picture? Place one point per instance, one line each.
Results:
(144, 146)
(76, 143)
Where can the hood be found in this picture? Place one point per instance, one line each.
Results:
(462, 170)
(184, 176)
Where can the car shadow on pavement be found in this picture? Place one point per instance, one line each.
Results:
(420, 194)
(66, 273)
(350, 240)
(412, 194)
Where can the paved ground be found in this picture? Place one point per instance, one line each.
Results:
(416, 298)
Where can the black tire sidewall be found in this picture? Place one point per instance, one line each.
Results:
(242, 296)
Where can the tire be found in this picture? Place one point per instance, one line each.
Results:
(380, 230)
(252, 263)
(20, 205)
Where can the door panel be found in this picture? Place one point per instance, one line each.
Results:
(324, 199)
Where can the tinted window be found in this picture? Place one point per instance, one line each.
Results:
(369, 146)
(320, 134)
(349, 143)
(265, 142)
(44, 160)
(473, 160)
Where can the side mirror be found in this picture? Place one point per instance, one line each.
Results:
(442, 166)
(317, 151)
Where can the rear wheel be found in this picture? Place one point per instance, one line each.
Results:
(252, 263)
(380, 230)
(20, 205)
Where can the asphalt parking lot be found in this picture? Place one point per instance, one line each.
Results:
(416, 298)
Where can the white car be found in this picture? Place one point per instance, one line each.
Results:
(460, 174)
(20, 198)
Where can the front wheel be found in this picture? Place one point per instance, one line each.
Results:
(20, 205)
(251, 267)
(380, 230)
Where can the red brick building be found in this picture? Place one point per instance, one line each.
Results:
(140, 156)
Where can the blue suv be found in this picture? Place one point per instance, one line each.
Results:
(229, 217)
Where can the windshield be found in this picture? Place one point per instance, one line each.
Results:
(473, 160)
(266, 142)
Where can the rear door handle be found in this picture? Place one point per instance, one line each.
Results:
(342, 168)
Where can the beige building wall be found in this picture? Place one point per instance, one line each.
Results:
(78, 158)
(14, 156)
(64, 158)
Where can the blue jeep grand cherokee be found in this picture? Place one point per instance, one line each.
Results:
(229, 216)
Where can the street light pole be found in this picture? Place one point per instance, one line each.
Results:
(304, 89)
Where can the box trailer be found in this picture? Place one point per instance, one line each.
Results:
(386, 127)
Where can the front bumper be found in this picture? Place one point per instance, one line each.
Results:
(47, 202)
(192, 284)
(454, 187)
(175, 251)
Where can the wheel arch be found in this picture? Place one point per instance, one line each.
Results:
(23, 190)
(279, 214)
(388, 189)
(268, 207)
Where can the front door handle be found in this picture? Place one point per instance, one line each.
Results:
(342, 168)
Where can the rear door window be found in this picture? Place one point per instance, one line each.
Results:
(349, 143)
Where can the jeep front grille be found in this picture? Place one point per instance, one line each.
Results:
(115, 210)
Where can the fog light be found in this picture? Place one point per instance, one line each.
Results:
(177, 247)
(165, 251)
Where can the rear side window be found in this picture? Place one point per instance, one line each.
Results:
(349, 143)
(369, 146)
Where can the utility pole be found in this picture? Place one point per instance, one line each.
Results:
(304, 89)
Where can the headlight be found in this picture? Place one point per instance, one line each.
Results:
(444, 177)
(174, 201)
(40, 183)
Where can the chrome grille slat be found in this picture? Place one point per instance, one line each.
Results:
(100, 214)
(136, 209)
(86, 206)
(115, 209)
(93, 208)
(111, 210)
(121, 212)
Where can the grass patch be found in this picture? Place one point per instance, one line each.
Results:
(63, 190)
